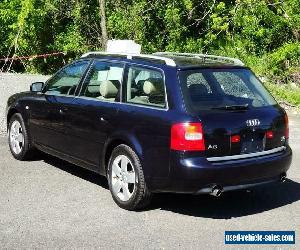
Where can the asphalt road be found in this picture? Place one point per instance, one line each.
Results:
(48, 203)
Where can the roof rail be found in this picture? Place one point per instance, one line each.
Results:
(167, 60)
(203, 57)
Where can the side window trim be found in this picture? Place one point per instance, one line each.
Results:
(85, 80)
(125, 79)
(78, 89)
(63, 68)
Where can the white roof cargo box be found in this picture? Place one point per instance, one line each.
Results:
(123, 46)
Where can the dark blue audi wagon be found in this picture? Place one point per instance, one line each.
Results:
(166, 122)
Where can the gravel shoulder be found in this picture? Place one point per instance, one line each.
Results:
(11, 84)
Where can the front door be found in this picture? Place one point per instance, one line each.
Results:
(47, 120)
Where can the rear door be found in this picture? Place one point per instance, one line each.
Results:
(238, 115)
(145, 115)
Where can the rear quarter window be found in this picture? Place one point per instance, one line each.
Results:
(146, 87)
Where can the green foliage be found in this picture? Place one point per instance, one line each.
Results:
(285, 58)
(263, 33)
(261, 25)
(285, 93)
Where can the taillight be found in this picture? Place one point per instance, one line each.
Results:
(187, 137)
(286, 122)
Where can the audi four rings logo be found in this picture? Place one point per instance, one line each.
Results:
(253, 122)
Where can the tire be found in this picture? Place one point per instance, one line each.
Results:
(126, 179)
(18, 138)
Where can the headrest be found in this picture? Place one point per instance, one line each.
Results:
(198, 89)
(108, 88)
(153, 86)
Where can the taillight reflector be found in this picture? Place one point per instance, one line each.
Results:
(235, 138)
(286, 121)
(187, 137)
(269, 134)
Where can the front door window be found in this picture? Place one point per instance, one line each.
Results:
(66, 81)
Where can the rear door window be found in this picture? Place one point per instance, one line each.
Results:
(104, 81)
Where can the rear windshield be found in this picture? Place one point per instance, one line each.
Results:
(223, 88)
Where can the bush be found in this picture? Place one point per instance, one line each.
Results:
(285, 93)
(283, 64)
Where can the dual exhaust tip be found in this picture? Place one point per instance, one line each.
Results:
(218, 190)
(283, 177)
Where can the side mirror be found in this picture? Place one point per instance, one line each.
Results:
(36, 86)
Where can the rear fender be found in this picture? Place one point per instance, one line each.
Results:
(115, 140)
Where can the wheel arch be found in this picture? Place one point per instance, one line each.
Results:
(113, 142)
(10, 113)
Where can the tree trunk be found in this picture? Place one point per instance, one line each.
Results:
(103, 23)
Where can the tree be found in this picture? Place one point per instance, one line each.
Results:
(103, 23)
(250, 29)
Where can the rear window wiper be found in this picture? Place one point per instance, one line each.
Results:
(233, 107)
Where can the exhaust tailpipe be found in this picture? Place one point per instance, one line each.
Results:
(216, 191)
(283, 177)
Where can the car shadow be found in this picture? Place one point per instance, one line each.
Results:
(229, 205)
(75, 170)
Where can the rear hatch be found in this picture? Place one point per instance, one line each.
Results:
(237, 114)
(243, 132)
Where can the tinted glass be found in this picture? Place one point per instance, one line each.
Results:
(145, 87)
(104, 81)
(66, 81)
(213, 88)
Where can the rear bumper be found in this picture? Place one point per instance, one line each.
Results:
(199, 175)
(209, 189)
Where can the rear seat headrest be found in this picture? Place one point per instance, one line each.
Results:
(109, 88)
(153, 86)
(198, 89)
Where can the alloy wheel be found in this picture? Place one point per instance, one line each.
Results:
(123, 178)
(16, 137)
